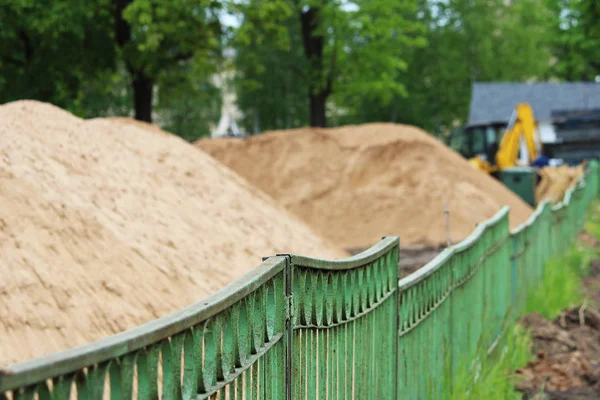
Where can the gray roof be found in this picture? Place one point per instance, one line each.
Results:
(494, 102)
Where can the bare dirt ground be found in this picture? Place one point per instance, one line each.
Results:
(567, 364)
(411, 259)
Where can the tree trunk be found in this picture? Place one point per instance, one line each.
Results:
(256, 122)
(141, 84)
(142, 96)
(317, 110)
(314, 44)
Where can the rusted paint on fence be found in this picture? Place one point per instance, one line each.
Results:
(303, 328)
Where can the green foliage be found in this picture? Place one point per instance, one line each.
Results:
(188, 115)
(493, 378)
(362, 57)
(167, 33)
(465, 41)
(268, 62)
(575, 39)
(368, 49)
(70, 54)
(50, 48)
(383, 60)
(174, 45)
(107, 93)
(470, 41)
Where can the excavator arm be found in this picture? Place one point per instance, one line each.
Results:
(522, 124)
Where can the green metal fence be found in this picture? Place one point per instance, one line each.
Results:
(231, 345)
(452, 308)
(455, 310)
(303, 328)
(344, 325)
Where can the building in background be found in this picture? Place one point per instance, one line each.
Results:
(567, 115)
(230, 113)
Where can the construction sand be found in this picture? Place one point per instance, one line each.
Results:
(105, 226)
(356, 183)
(140, 124)
(555, 181)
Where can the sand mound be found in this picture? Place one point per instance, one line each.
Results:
(354, 184)
(555, 181)
(140, 124)
(104, 226)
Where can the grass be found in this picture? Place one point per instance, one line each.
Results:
(493, 378)
(561, 287)
(592, 223)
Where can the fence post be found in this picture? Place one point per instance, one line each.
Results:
(288, 326)
(397, 333)
(513, 265)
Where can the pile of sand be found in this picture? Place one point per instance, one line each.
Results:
(354, 184)
(555, 181)
(104, 226)
(140, 124)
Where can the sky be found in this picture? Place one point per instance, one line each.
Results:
(234, 21)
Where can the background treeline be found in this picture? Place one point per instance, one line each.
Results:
(292, 62)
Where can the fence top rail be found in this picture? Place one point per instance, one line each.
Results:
(539, 210)
(564, 202)
(358, 260)
(581, 183)
(74, 359)
(443, 257)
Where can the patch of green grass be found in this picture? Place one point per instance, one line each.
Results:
(493, 378)
(561, 285)
(592, 222)
(593, 228)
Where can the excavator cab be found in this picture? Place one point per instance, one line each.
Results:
(495, 147)
(480, 143)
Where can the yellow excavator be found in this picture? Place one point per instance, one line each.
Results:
(521, 125)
